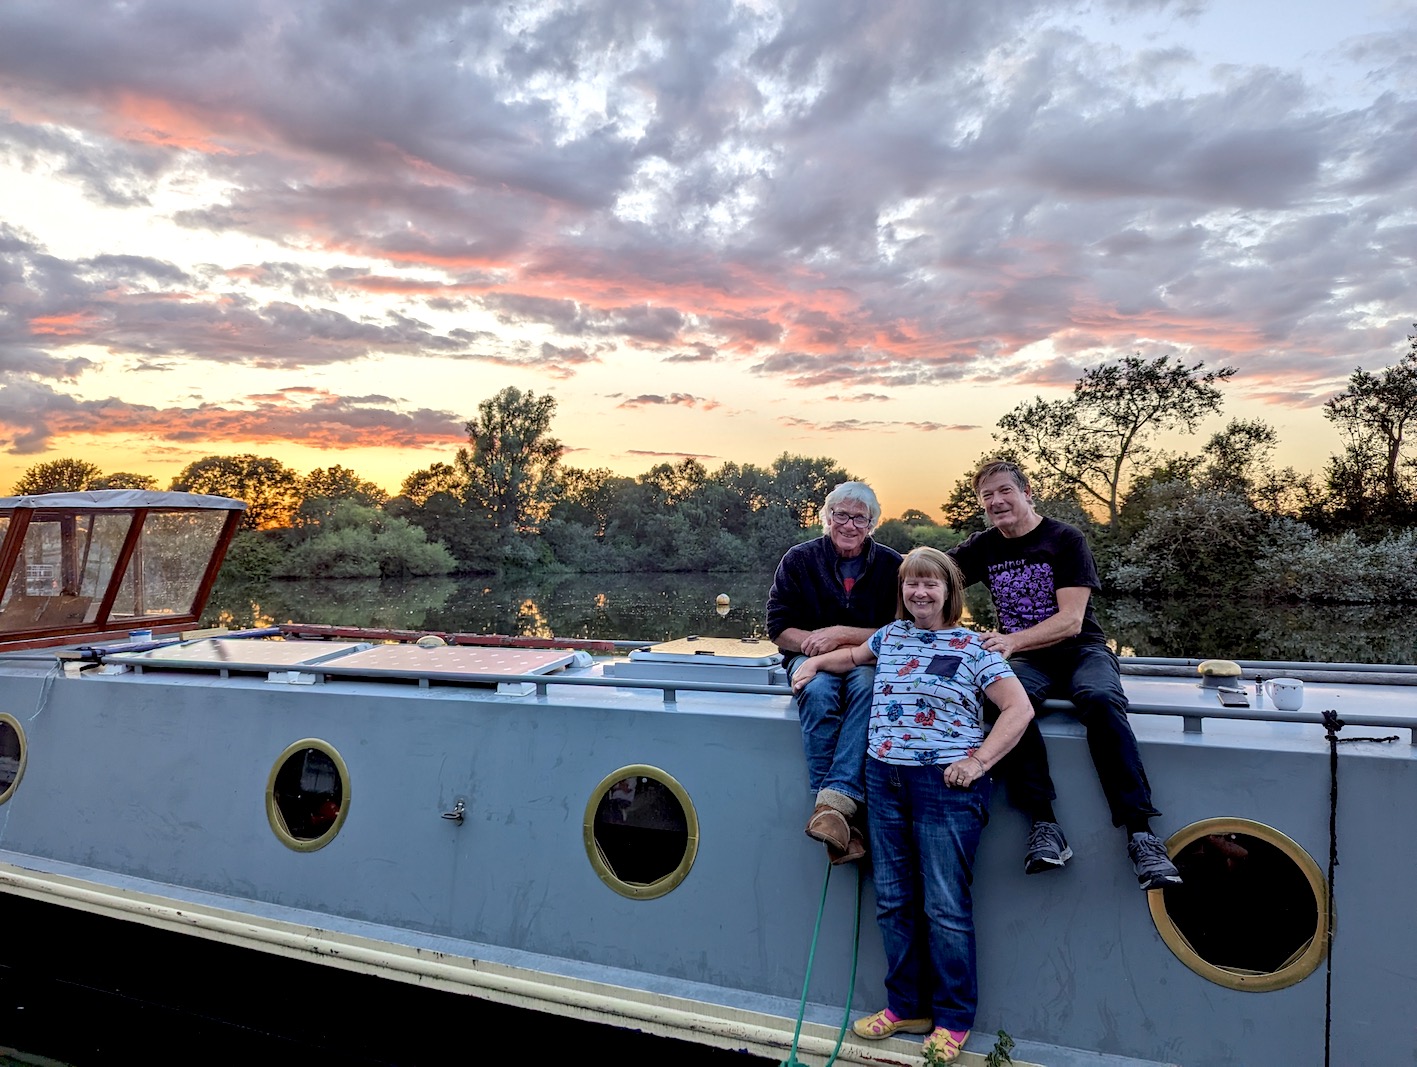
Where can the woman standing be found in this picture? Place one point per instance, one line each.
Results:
(927, 795)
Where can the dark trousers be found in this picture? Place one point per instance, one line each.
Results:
(1090, 678)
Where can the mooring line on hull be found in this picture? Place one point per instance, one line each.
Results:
(792, 1060)
(1332, 724)
(46, 687)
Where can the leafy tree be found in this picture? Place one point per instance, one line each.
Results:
(587, 497)
(57, 476)
(124, 480)
(324, 489)
(1373, 414)
(340, 483)
(749, 485)
(1091, 442)
(1236, 457)
(510, 469)
(439, 478)
(671, 484)
(801, 484)
(267, 485)
(916, 517)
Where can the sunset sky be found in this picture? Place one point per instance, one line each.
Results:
(323, 231)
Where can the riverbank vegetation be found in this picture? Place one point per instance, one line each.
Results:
(1221, 519)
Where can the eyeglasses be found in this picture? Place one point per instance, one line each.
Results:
(841, 518)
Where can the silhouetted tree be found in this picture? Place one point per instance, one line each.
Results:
(267, 485)
(1092, 441)
(511, 466)
(439, 478)
(57, 476)
(1373, 414)
(124, 480)
(801, 484)
(326, 488)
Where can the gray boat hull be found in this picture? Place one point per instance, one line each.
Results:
(143, 796)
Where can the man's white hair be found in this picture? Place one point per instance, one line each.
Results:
(846, 492)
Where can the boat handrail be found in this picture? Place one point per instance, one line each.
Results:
(1192, 717)
(1400, 673)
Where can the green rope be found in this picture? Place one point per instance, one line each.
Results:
(792, 1060)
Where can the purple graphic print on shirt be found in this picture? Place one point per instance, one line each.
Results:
(1023, 594)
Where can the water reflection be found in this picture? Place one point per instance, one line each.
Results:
(666, 606)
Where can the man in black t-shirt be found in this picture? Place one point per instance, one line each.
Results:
(1041, 575)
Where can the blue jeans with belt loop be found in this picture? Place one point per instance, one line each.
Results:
(923, 839)
(835, 710)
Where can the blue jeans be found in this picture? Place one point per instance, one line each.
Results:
(1090, 678)
(835, 710)
(923, 838)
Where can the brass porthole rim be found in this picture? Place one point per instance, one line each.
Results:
(14, 724)
(273, 815)
(660, 886)
(1296, 970)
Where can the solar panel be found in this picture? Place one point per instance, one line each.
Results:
(355, 658)
(237, 654)
(452, 661)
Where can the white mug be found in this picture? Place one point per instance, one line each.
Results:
(1287, 693)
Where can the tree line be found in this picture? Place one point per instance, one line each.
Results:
(1221, 519)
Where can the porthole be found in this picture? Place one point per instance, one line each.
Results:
(1253, 910)
(641, 832)
(307, 795)
(13, 754)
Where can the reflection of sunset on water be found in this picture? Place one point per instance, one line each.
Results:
(253, 618)
(531, 623)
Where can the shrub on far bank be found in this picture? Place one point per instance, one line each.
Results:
(1219, 543)
(363, 542)
(1302, 566)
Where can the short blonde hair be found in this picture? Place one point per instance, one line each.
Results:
(927, 562)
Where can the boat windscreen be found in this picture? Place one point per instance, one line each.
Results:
(83, 570)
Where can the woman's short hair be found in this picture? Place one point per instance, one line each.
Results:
(848, 491)
(927, 562)
(991, 467)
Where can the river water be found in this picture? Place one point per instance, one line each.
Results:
(666, 606)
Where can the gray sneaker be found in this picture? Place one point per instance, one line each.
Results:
(1047, 848)
(1154, 868)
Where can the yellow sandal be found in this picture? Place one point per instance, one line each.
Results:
(877, 1027)
(943, 1047)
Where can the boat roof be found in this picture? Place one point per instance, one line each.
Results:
(121, 498)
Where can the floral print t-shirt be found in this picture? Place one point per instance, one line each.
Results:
(926, 707)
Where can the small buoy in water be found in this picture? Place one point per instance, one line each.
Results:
(431, 641)
(722, 601)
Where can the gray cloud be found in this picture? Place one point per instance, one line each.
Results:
(840, 196)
